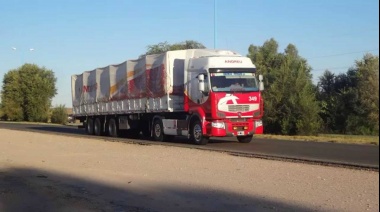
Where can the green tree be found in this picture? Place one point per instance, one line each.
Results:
(1, 112)
(165, 46)
(290, 98)
(11, 96)
(27, 93)
(368, 86)
(188, 44)
(350, 101)
(328, 100)
(59, 115)
(338, 99)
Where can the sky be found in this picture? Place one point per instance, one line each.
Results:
(73, 36)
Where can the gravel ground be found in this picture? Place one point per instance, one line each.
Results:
(41, 172)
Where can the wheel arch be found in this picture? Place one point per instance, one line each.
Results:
(197, 117)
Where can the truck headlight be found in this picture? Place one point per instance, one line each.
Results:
(219, 125)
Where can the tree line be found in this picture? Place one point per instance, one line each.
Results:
(345, 103)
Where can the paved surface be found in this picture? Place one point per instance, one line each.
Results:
(54, 173)
(366, 156)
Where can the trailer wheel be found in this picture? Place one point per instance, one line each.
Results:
(245, 139)
(112, 128)
(98, 129)
(158, 130)
(196, 134)
(90, 126)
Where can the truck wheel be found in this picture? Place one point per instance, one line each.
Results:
(90, 126)
(98, 129)
(245, 139)
(158, 130)
(112, 128)
(196, 134)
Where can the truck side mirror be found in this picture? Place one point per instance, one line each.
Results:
(201, 84)
(261, 83)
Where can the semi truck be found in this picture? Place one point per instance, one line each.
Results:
(196, 93)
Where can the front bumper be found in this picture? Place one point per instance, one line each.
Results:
(224, 128)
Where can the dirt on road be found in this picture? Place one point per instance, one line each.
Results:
(44, 172)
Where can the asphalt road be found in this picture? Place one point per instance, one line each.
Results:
(362, 156)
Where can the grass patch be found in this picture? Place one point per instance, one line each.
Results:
(332, 138)
(26, 122)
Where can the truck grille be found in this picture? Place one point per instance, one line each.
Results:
(238, 120)
(238, 108)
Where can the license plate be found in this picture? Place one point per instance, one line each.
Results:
(240, 133)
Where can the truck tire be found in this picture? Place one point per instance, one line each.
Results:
(196, 134)
(158, 130)
(244, 139)
(98, 129)
(90, 126)
(112, 128)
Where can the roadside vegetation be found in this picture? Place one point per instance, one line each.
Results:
(342, 108)
(332, 138)
(59, 115)
(27, 93)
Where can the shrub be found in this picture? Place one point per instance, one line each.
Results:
(59, 115)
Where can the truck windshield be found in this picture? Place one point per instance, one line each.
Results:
(233, 81)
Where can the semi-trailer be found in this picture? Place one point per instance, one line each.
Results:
(197, 93)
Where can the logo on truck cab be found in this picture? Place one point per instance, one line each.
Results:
(233, 104)
(233, 61)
